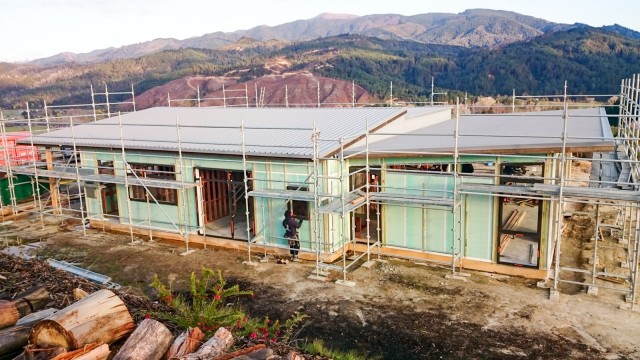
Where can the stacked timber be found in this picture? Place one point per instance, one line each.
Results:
(86, 330)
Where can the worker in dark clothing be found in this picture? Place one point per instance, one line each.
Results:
(291, 226)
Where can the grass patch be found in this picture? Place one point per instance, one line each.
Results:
(317, 347)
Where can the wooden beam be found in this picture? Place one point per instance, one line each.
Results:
(53, 187)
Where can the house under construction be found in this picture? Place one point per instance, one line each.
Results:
(489, 192)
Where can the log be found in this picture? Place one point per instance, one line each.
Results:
(149, 341)
(31, 300)
(87, 352)
(241, 352)
(186, 343)
(100, 317)
(33, 318)
(9, 315)
(12, 340)
(216, 346)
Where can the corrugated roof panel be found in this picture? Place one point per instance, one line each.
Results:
(269, 132)
(532, 130)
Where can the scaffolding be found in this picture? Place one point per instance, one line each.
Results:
(327, 184)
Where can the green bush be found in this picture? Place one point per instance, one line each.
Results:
(208, 307)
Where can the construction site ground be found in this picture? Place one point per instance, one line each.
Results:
(398, 309)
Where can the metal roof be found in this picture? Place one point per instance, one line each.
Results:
(504, 133)
(282, 132)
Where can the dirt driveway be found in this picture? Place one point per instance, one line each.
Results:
(397, 310)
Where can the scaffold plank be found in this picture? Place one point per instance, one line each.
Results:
(70, 174)
(285, 194)
(386, 197)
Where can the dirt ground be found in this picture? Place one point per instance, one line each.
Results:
(397, 310)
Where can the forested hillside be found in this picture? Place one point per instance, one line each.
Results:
(591, 60)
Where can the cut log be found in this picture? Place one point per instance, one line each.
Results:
(216, 346)
(31, 300)
(9, 315)
(33, 318)
(235, 354)
(186, 343)
(87, 352)
(100, 317)
(12, 340)
(149, 341)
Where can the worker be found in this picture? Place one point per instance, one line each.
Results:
(291, 226)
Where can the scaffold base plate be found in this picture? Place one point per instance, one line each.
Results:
(137, 242)
(369, 264)
(592, 290)
(628, 298)
(554, 295)
(320, 272)
(346, 283)
(250, 263)
(185, 253)
(629, 307)
(456, 277)
(543, 284)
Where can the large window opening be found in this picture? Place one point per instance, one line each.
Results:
(520, 218)
(160, 172)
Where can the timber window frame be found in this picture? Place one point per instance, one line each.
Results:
(152, 171)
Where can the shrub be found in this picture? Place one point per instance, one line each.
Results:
(208, 307)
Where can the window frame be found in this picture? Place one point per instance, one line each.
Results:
(154, 171)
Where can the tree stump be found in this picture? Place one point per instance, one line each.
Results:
(150, 341)
(101, 317)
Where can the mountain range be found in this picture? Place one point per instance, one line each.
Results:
(482, 52)
(471, 28)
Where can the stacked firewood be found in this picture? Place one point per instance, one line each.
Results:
(88, 328)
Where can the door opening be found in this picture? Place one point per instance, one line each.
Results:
(520, 218)
(221, 203)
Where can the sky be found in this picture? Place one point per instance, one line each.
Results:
(32, 29)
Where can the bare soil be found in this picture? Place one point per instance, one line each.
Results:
(397, 310)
